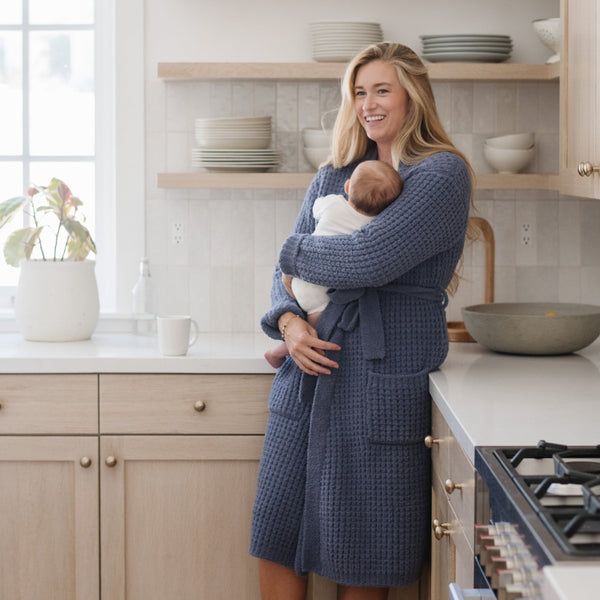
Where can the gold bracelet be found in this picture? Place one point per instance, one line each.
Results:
(282, 330)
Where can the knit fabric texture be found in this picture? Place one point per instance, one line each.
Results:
(344, 481)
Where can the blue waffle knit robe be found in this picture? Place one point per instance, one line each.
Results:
(344, 481)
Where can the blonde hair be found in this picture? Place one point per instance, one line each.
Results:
(374, 185)
(422, 133)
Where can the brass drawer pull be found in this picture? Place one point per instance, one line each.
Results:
(450, 486)
(585, 169)
(199, 405)
(430, 441)
(85, 461)
(110, 461)
(440, 529)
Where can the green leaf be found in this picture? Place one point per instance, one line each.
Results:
(80, 240)
(9, 207)
(20, 244)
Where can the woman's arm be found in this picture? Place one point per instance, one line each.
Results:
(429, 217)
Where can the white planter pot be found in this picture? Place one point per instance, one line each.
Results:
(57, 301)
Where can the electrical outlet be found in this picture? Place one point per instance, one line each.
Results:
(177, 234)
(526, 234)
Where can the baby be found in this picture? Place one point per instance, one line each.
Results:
(373, 186)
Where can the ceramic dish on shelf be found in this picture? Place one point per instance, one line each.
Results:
(466, 48)
(339, 41)
(549, 32)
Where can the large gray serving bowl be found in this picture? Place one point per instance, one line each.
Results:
(538, 328)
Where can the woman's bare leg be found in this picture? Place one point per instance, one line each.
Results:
(279, 583)
(362, 593)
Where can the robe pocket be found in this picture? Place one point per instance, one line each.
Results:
(398, 408)
(284, 398)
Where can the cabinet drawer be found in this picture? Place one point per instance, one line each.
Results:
(452, 466)
(193, 404)
(459, 547)
(48, 404)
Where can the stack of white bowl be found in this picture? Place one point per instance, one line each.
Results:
(316, 145)
(339, 41)
(509, 153)
(234, 144)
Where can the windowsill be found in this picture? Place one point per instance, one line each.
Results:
(107, 323)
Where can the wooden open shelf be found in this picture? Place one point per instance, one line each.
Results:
(195, 180)
(439, 71)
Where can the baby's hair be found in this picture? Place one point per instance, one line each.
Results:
(374, 185)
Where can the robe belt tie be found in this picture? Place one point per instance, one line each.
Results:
(348, 309)
(360, 306)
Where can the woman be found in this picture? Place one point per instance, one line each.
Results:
(344, 483)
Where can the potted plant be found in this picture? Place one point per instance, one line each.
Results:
(57, 294)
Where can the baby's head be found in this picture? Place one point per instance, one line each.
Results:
(373, 186)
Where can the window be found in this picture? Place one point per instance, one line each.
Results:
(61, 116)
(47, 102)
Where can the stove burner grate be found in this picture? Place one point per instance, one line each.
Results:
(574, 520)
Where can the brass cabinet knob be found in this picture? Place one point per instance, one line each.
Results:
(450, 486)
(110, 461)
(199, 405)
(440, 529)
(585, 169)
(85, 461)
(430, 441)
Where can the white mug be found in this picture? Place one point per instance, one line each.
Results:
(176, 333)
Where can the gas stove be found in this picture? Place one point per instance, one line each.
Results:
(536, 506)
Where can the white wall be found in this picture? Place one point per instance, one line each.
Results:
(278, 30)
(222, 273)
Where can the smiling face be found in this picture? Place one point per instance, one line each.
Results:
(381, 104)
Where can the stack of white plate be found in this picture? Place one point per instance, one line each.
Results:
(234, 144)
(223, 160)
(466, 48)
(234, 132)
(339, 41)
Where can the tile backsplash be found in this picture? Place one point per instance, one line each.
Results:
(547, 246)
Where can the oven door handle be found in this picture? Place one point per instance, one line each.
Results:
(458, 593)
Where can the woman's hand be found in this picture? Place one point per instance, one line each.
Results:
(305, 347)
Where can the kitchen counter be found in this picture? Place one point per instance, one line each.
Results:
(493, 399)
(126, 353)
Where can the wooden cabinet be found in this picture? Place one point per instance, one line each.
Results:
(580, 98)
(49, 534)
(453, 511)
(179, 462)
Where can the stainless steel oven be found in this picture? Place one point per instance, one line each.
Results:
(535, 506)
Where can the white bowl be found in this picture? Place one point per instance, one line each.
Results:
(513, 140)
(316, 156)
(549, 32)
(508, 160)
(316, 138)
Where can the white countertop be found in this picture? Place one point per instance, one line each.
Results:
(493, 399)
(127, 353)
